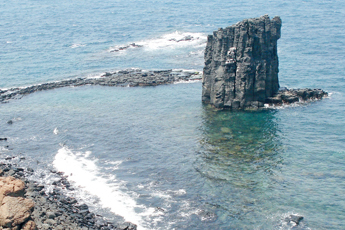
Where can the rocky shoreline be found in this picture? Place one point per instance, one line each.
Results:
(27, 204)
(122, 78)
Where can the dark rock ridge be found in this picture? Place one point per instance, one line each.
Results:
(122, 78)
(288, 96)
(133, 45)
(241, 67)
(295, 219)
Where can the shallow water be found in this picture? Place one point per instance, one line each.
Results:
(156, 155)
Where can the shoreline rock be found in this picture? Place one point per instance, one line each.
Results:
(289, 96)
(53, 210)
(15, 210)
(122, 78)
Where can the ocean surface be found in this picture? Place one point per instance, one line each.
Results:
(156, 156)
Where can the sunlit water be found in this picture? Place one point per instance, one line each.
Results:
(156, 155)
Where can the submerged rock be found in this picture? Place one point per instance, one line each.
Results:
(296, 219)
(288, 96)
(125, 47)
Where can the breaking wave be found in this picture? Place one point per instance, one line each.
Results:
(83, 171)
(171, 40)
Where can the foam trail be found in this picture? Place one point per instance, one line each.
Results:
(176, 39)
(172, 40)
(76, 46)
(85, 173)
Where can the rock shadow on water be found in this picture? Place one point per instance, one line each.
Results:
(238, 157)
(249, 140)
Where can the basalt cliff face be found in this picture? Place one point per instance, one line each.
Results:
(241, 64)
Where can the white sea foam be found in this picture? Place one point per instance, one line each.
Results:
(292, 105)
(172, 40)
(56, 131)
(84, 172)
(94, 75)
(187, 82)
(77, 45)
(176, 39)
(3, 149)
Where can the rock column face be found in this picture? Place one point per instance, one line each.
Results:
(241, 64)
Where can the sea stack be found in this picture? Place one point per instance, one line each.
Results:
(241, 64)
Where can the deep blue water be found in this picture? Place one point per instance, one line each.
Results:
(131, 150)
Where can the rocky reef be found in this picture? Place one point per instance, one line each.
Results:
(241, 67)
(288, 96)
(122, 78)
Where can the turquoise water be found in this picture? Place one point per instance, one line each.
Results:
(156, 155)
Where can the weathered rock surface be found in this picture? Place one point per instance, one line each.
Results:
(10, 186)
(15, 210)
(288, 96)
(241, 67)
(30, 225)
(122, 78)
(241, 64)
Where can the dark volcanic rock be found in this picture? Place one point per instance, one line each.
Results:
(241, 64)
(294, 218)
(126, 47)
(288, 96)
(241, 67)
(122, 78)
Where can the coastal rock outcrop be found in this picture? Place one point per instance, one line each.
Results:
(294, 219)
(241, 67)
(121, 78)
(241, 64)
(288, 96)
(15, 210)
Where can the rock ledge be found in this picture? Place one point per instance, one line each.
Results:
(122, 78)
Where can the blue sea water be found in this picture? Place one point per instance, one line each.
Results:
(157, 156)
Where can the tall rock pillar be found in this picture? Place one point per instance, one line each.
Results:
(241, 64)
